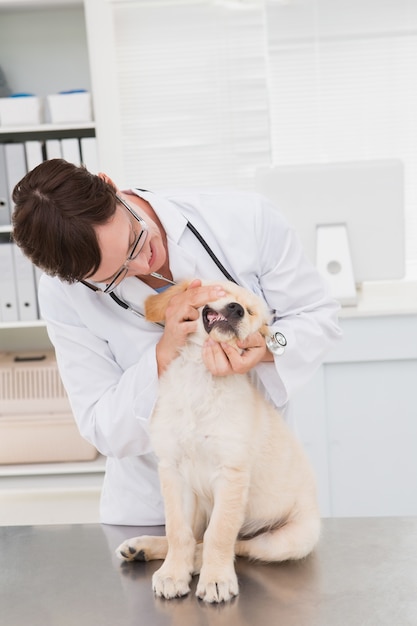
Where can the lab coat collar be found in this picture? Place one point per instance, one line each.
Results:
(172, 220)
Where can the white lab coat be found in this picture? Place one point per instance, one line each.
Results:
(106, 355)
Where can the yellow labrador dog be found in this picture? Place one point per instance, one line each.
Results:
(234, 479)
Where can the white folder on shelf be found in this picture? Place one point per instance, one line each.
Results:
(71, 150)
(15, 166)
(38, 274)
(53, 149)
(89, 154)
(4, 189)
(25, 286)
(8, 293)
(34, 153)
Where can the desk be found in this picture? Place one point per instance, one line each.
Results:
(363, 573)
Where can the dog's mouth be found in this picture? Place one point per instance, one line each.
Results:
(225, 321)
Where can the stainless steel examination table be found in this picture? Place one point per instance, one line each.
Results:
(363, 573)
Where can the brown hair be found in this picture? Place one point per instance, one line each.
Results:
(57, 205)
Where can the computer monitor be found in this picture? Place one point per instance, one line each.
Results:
(348, 215)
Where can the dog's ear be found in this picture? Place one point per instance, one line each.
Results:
(156, 306)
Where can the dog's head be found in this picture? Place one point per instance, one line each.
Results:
(232, 317)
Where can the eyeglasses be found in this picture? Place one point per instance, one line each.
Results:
(134, 252)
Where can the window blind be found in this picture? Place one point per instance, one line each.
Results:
(193, 93)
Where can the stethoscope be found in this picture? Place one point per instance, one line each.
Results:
(278, 339)
(207, 248)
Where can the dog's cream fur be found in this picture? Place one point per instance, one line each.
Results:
(233, 478)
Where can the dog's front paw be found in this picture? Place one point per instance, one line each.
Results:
(144, 548)
(169, 584)
(220, 586)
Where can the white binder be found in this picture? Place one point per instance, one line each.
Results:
(15, 166)
(38, 274)
(34, 154)
(71, 150)
(25, 286)
(8, 293)
(4, 189)
(53, 149)
(89, 154)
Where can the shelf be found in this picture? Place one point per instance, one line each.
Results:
(46, 131)
(20, 325)
(51, 493)
(48, 469)
(37, 4)
(46, 128)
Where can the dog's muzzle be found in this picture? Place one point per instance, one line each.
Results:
(226, 320)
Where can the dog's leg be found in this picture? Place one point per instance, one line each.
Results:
(143, 548)
(293, 540)
(150, 548)
(218, 580)
(173, 577)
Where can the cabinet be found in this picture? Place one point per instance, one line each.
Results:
(48, 55)
(43, 50)
(358, 417)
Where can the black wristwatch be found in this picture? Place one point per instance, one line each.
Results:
(276, 343)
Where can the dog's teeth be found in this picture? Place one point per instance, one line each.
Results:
(215, 317)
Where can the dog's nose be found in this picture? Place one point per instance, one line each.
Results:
(234, 309)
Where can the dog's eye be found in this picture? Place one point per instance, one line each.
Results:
(250, 312)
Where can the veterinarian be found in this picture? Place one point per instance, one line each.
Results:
(104, 250)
